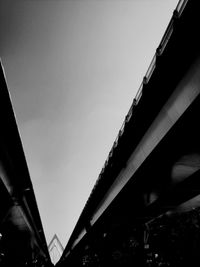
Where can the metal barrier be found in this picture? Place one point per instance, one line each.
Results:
(168, 33)
(159, 51)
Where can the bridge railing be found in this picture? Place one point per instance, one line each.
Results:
(159, 51)
(177, 13)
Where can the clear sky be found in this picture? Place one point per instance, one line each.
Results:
(73, 69)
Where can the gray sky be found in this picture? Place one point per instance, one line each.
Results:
(73, 69)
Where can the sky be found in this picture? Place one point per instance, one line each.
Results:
(73, 68)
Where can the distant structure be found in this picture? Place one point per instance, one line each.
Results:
(144, 210)
(55, 249)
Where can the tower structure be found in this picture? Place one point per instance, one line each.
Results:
(55, 249)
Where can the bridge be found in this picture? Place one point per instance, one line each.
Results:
(22, 240)
(149, 184)
(144, 209)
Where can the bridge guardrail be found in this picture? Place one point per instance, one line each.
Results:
(159, 51)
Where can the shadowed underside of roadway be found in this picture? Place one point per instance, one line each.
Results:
(22, 240)
(144, 209)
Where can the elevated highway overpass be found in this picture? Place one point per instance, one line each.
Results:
(22, 239)
(150, 179)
